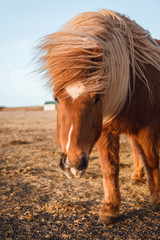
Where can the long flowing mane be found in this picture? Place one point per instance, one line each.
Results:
(99, 49)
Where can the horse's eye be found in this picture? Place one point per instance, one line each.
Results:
(97, 98)
(56, 100)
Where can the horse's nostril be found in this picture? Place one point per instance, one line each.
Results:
(83, 164)
(62, 161)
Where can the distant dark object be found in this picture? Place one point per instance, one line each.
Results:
(1, 108)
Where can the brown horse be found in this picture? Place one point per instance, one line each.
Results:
(105, 73)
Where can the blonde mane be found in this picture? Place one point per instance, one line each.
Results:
(98, 49)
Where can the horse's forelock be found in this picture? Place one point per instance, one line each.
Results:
(70, 58)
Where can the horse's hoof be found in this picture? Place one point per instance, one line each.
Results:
(135, 181)
(156, 207)
(106, 220)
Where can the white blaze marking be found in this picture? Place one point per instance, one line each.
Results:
(69, 138)
(75, 90)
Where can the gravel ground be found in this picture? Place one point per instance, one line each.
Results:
(38, 202)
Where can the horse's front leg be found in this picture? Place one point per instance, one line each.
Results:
(108, 147)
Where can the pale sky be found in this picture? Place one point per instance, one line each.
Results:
(23, 22)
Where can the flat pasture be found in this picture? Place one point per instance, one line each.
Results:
(38, 202)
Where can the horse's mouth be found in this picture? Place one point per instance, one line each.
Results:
(68, 170)
(73, 173)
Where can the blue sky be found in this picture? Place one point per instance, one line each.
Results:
(22, 23)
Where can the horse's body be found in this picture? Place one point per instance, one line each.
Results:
(105, 70)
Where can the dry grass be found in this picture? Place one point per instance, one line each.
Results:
(36, 108)
(38, 202)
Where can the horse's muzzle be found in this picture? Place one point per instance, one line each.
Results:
(72, 171)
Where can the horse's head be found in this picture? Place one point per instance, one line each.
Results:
(82, 61)
(79, 123)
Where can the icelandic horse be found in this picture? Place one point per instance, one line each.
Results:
(105, 73)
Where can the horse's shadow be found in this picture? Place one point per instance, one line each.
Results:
(144, 214)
